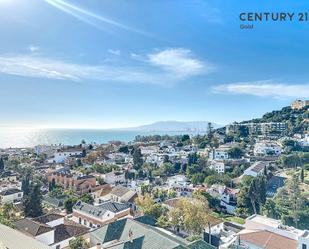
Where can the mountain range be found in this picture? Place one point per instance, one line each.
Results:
(177, 126)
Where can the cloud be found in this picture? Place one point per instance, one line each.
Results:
(114, 52)
(91, 18)
(162, 68)
(33, 48)
(266, 88)
(180, 62)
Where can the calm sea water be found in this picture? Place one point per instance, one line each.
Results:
(10, 137)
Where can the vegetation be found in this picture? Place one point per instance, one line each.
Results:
(78, 243)
(33, 201)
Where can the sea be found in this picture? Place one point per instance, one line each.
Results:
(25, 137)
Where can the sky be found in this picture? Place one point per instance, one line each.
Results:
(124, 63)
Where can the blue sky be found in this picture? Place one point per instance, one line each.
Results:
(108, 64)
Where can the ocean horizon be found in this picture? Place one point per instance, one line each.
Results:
(24, 137)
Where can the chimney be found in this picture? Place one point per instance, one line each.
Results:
(98, 246)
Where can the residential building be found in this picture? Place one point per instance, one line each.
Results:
(217, 165)
(79, 183)
(266, 128)
(11, 195)
(262, 232)
(52, 230)
(61, 155)
(14, 239)
(127, 233)
(299, 104)
(266, 148)
(96, 216)
(219, 154)
(256, 169)
(114, 177)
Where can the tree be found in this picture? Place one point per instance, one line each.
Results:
(235, 152)
(302, 175)
(148, 206)
(137, 159)
(78, 243)
(1, 164)
(25, 184)
(33, 202)
(185, 138)
(124, 149)
(69, 204)
(87, 198)
(189, 214)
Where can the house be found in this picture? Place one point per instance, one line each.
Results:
(122, 194)
(266, 149)
(217, 165)
(14, 239)
(264, 232)
(227, 196)
(256, 169)
(219, 154)
(114, 177)
(11, 195)
(96, 216)
(127, 233)
(61, 155)
(79, 183)
(299, 104)
(228, 199)
(52, 230)
(8, 176)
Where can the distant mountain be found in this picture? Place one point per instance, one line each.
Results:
(177, 126)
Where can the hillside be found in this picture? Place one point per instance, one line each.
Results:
(297, 119)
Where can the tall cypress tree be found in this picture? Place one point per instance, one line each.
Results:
(33, 202)
(1, 164)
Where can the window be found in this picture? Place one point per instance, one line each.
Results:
(85, 222)
(58, 247)
(304, 246)
(80, 220)
(90, 224)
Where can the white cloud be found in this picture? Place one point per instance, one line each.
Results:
(179, 62)
(33, 48)
(266, 88)
(114, 51)
(163, 68)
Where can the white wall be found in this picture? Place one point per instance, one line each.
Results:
(47, 238)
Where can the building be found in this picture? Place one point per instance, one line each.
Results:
(217, 165)
(127, 233)
(263, 232)
(61, 155)
(299, 104)
(219, 154)
(96, 216)
(53, 230)
(114, 177)
(256, 169)
(11, 195)
(80, 184)
(14, 239)
(267, 149)
(266, 128)
(228, 199)
(122, 194)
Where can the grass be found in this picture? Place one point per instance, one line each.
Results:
(235, 219)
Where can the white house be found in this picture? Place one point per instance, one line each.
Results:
(95, 216)
(267, 148)
(259, 229)
(114, 177)
(217, 165)
(177, 181)
(219, 154)
(51, 229)
(11, 195)
(256, 169)
(61, 155)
